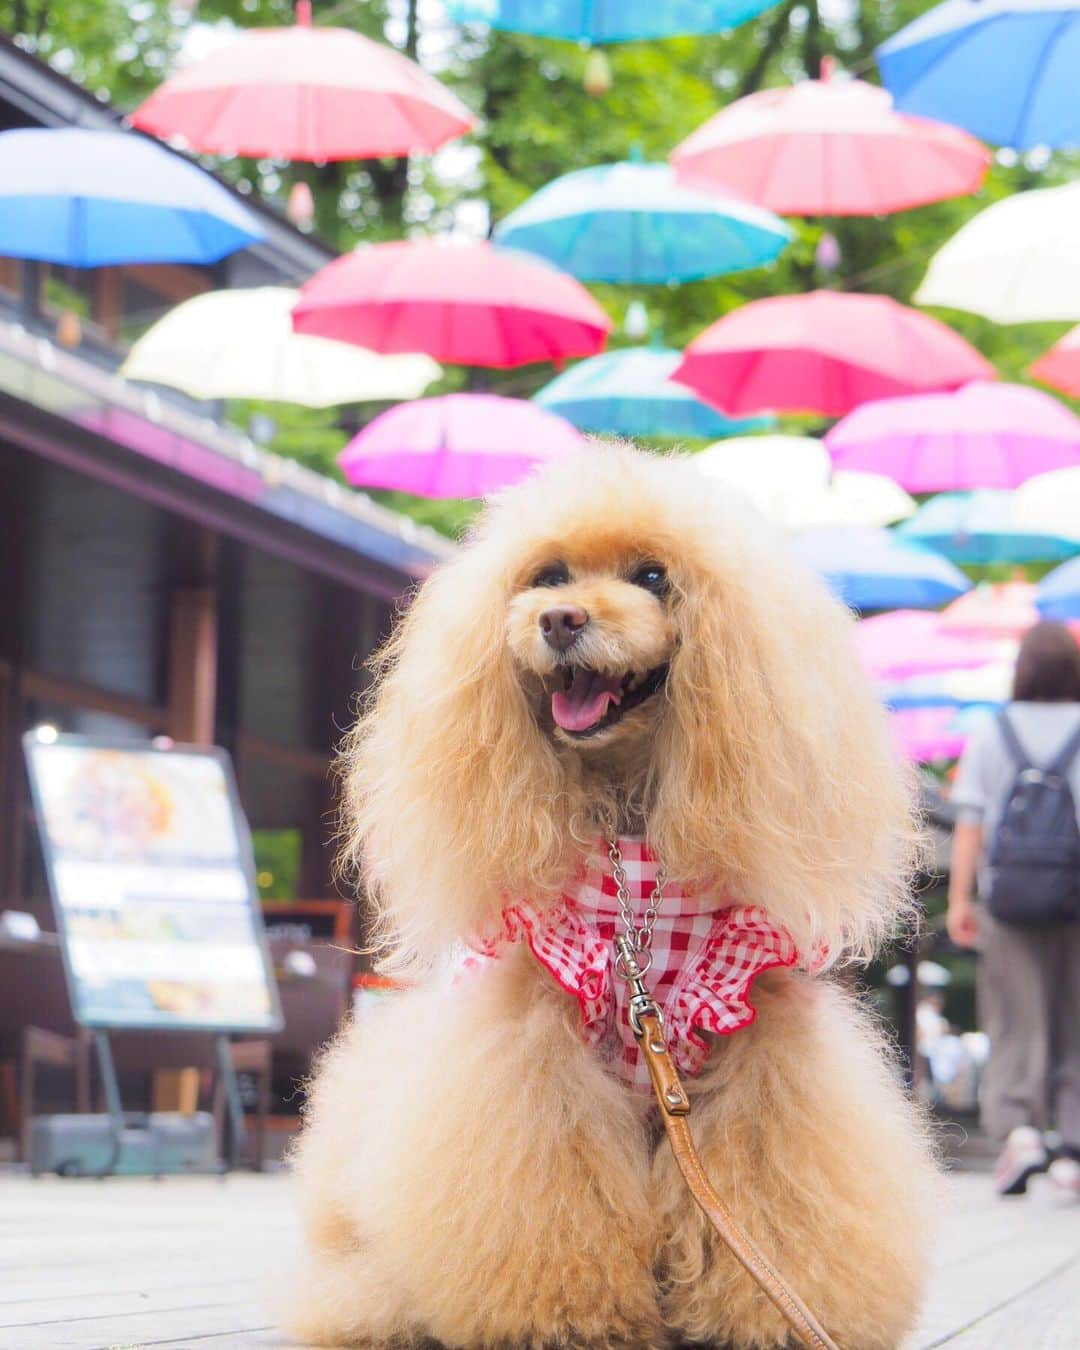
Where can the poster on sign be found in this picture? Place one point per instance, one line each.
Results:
(149, 862)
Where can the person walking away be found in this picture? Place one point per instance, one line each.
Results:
(1017, 836)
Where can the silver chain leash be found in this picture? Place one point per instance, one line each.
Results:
(633, 947)
(640, 939)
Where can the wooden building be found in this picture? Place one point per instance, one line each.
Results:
(159, 573)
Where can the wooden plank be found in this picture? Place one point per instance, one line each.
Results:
(993, 1254)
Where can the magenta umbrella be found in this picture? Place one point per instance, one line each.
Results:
(824, 352)
(460, 445)
(983, 435)
(464, 304)
(909, 642)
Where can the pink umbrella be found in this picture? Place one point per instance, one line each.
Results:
(984, 435)
(909, 642)
(465, 304)
(305, 93)
(461, 445)
(824, 352)
(1004, 609)
(1060, 366)
(926, 734)
(829, 147)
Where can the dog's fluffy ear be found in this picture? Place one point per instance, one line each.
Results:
(776, 774)
(452, 797)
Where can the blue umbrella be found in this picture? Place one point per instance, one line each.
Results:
(1006, 70)
(633, 223)
(631, 393)
(1057, 596)
(98, 198)
(872, 569)
(980, 527)
(608, 20)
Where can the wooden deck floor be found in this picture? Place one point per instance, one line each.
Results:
(192, 1262)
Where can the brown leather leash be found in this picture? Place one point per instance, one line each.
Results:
(648, 1028)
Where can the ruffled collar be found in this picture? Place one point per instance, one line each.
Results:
(707, 952)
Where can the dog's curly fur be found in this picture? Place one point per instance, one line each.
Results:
(469, 1172)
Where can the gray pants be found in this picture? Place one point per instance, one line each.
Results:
(1029, 1006)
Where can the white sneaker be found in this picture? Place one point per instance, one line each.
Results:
(1023, 1156)
(1064, 1176)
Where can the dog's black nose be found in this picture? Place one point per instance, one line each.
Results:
(561, 625)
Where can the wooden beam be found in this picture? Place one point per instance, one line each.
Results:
(193, 665)
(68, 693)
(313, 763)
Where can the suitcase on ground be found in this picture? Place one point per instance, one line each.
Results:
(157, 1144)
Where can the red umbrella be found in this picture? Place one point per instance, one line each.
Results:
(466, 304)
(829, 147)
(305, 93)
(1060, 366)
(825, 352)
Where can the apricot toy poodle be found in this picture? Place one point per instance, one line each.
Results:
(623, 683)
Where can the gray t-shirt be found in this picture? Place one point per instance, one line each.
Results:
(985, 776)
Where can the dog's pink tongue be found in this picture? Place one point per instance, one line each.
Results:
(586, 701)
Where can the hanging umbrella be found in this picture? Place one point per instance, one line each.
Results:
(829, 147)
(824, 352)
(1015, 262)
(467, 304)
(608, 20)
(241, 344)
(1050, 502)
(981, 686)
(924, 735)
(1057, 596)
(633, 223)
(461, 445)
(1060, 366)
(869, 569)
(1004, 609)
(981, 527)
(848, 499)
(770, 470)
(629, 393)
(788, 480)
(1004, 69)
(305, 93)
(909, 642)
(983, 435)
(100, 198)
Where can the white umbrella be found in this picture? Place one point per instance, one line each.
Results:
(241, 344)
(1016, 262)
(789, 480)
(1049, 502)
(850, 498)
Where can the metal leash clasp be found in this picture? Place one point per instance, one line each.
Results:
(642, 1003)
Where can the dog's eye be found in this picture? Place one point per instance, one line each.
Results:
(554, 574)
(650, 576)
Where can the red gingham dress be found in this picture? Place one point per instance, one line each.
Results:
(705, 959)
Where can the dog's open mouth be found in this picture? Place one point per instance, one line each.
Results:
(591, 700)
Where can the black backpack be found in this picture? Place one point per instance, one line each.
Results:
(1034, 859)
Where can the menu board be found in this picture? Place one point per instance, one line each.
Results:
(150, 867)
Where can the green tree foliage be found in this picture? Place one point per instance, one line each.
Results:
(538, 121)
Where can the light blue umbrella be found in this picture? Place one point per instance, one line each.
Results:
(1057, 596)
(980, 527)
(871, 569)
(99, 198)
(1006, 70)
(631, 393)
(608, 20)
(633, 223)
